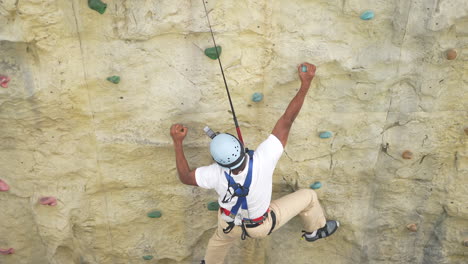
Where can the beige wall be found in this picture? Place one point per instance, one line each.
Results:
(105, 152)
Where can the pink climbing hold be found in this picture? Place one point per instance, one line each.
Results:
(7, 251)
(4, 186)
(49, 200)
(4, 81)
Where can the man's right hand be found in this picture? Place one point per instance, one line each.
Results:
(178, 132)
(306, 77)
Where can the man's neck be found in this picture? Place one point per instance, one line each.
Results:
(241, 168)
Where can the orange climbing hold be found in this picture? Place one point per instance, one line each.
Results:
(412, 227)
(7, 251)
(407, 154)
(49, 200)
(451, 54)
(4, 186)
(4, 81)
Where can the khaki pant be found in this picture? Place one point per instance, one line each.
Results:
(303, 203)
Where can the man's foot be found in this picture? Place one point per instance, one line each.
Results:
(330, 227)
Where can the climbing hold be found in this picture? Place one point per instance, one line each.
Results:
(4, 186)
(325, 134)
(154, 214)
(368, 15)
(211, 52)
(213, 206)
(451, 54)
(49, 200)
(7, 251)
(465, 243)
(304, 68)
(412, 227)
(148, 257)
(114, 79)
(257, 97)
(407, 154)
(316, 185)
(97, 5)
(466, 130)
(4, 81)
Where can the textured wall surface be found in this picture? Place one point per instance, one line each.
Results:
(103, 150)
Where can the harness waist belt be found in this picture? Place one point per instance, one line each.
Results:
(258, 220)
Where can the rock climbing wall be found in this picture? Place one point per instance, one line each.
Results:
(88, 172)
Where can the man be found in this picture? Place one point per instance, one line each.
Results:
(243, 182)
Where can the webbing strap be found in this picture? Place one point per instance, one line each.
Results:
(242, 201)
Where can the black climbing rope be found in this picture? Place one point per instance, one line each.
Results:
(239, 135)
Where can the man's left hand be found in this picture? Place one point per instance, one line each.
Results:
(178, 132)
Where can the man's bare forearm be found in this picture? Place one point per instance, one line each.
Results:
(296, 103)
(183, 168)
(282, 127)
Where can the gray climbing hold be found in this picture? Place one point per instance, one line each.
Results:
(325, 134)
(154, 214)
(316, 185)
(148, 257)
(213, 206)
(114, 79)
(368, 15)
(257, 97)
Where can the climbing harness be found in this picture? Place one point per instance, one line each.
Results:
(234, 217)
(239, 135)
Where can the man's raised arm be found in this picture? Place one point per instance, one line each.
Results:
(282, 127)
(186, 176)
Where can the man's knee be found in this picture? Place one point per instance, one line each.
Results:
(310, 193)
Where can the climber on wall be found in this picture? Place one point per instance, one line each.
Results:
(243, 181)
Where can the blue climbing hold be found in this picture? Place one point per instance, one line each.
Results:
(316, 185)
(257, 97)
(325, 134)
(368, 15)
(304, 68)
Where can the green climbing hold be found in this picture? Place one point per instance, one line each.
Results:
(368, 15)
(154, 214)
(325, 134)
(213, 206)
(316, 185)
(97, 5)
(304, 68)
(212, 54)
(148, 257)
(114, 79)
(257, 97)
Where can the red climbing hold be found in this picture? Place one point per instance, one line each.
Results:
(4, 81)
(4, 186)
(49, 200)
(7, 251)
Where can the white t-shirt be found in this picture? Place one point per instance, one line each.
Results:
(265, 158)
